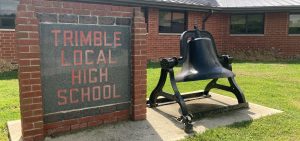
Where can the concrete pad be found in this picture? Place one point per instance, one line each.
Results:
(14, 130)
(161, 123)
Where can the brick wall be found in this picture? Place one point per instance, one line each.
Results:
(7, 46)
(27, 32)
(160, 45)
(274, 44)
(167, 45)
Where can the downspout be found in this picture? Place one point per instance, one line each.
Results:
(205, 18)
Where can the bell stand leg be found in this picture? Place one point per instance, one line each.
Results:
(209, 86)
(234, 88)
(186, 117)
(158, 88)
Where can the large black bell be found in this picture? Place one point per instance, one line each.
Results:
(201, 62)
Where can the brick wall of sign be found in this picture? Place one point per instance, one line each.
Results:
(276, 43)
(32, 13)
(8, 46)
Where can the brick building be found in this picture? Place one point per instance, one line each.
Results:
(252, 29)
(7, 31)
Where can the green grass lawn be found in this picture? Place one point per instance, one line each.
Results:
(9, 101)
(275, 85)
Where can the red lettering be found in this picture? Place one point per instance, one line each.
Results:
(55, 32)
(110, 60)
(94, 80)
(96, 97)
(68, 37)
(116, 39)
(74, 76)
(85, 40)
(105, 41)
(61, 95)
(62, 59)
(72, 100)
(106, 92)
(114, 92)
(103, 74)
(97, 38)
(85, 94)
(77, 55)
(84, 76)
(101, 57)
(87, 52)
(76, 38)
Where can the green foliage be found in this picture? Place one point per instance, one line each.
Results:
(6, 66)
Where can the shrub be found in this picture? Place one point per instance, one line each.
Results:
(7, 66)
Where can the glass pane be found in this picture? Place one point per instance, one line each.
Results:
(294, 20)
(7, 23)
(294, 24)
(145, 13)
(255, 24)
(238, 24)
(164, 22)
(178, 22)
(8, 10)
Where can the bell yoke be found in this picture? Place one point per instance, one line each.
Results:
(200, 61)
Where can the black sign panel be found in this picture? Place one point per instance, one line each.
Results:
(84, 66)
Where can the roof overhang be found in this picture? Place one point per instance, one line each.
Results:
(179, 6)
(260, 9)
(155, 4)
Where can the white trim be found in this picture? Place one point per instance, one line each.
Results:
(172, 34)
(294, 35)
(247, 34)
(7, 29)
(80, 109)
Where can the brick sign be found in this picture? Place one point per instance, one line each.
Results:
(83, 67)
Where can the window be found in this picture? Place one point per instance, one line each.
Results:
(247, 24)
(172, 22)
(8, 10)
(294, 24)
(145, 12)
(7, 21)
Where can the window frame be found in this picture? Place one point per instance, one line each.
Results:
(246, 24)
(172, 11)
(289, 24)
(8, 14)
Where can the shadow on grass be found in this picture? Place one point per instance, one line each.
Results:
(8, 75)
(243, 124)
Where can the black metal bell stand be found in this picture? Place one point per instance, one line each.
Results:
(199, 54)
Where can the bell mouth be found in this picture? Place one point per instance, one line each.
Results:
(194, 75)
